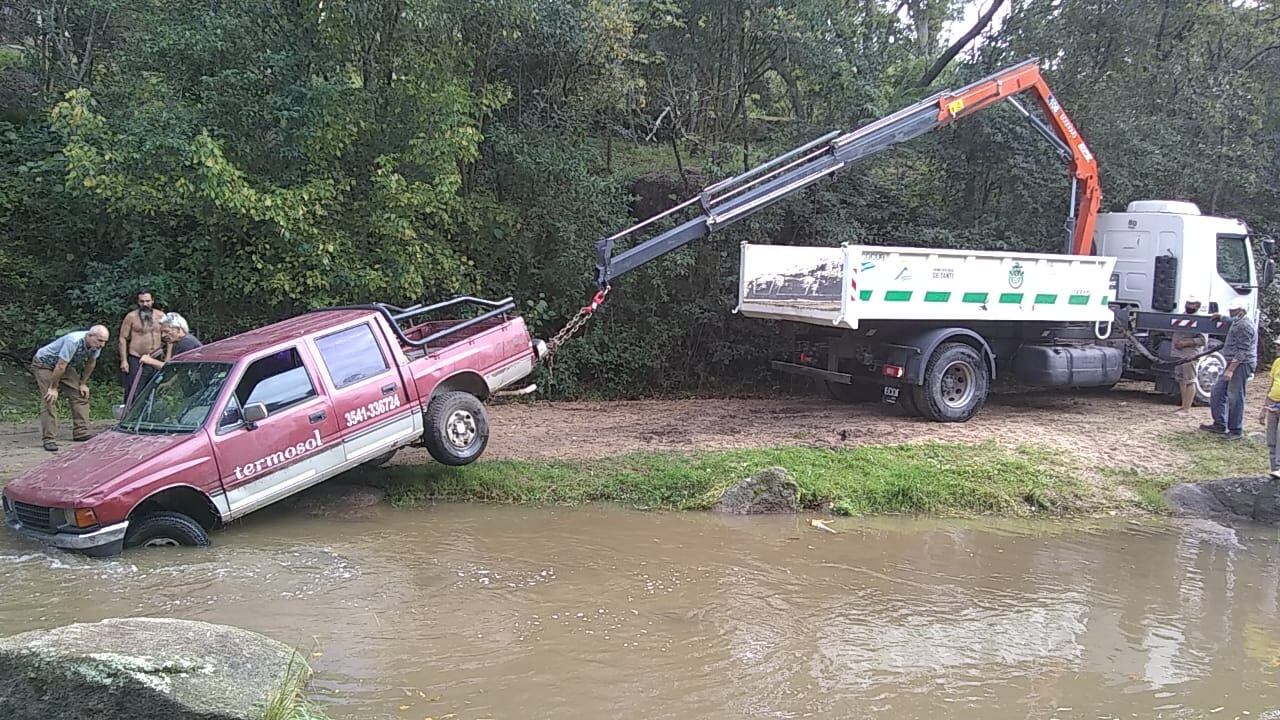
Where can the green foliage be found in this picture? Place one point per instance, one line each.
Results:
(911, 478)
(250, 160)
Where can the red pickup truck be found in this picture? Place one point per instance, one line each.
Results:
(235, 425)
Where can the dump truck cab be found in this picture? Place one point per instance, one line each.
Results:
(1167, 251)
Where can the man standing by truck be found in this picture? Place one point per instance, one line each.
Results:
(1187, 345)
(55, 366)
(139, 337)
(1226, 402)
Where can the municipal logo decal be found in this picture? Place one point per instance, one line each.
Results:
(1016, 276)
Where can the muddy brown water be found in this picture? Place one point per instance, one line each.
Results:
(473, 612)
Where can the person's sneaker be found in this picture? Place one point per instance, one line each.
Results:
(1233, 435)
(1213, 428)
(82, 438)
(51, 446)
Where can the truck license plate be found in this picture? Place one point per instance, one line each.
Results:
(890, 395)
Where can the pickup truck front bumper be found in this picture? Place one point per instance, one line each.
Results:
(103, 542)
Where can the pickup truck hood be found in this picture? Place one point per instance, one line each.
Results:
(91, 468)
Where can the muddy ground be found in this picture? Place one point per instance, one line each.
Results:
(1117, 428)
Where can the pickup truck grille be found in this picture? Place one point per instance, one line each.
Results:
(34, 517)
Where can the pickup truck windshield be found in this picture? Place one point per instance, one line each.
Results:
(177, 399)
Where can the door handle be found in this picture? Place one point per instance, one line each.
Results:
(316, 417)
(388, 388)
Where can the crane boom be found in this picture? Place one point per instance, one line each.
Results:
(735, 198)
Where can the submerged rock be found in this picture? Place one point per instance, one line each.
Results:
(1256, 499)
(768, 491)
(141, 669)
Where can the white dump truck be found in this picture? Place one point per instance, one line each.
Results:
(930, 329)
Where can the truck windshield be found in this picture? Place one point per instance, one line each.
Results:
(1233, 259)
(177, 399)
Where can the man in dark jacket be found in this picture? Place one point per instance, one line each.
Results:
(1226, 402)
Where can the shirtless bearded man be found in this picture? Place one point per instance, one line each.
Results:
(139, 336)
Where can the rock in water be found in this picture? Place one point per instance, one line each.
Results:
(768, 491)
(140, 669)
(1255, 499)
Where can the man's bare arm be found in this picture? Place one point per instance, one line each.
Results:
(125, 336)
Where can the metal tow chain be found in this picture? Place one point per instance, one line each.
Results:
(571, 328)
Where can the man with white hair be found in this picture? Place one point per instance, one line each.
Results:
(54, 366)
(1226, 401)
(176, 339)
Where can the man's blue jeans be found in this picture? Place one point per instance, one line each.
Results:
(1226, 400)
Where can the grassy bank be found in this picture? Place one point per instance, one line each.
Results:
(1204, 457)
(931, 478)
(937, 478)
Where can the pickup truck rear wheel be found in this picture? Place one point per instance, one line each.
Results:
(165, 529)
(457, 428)
(955, 384)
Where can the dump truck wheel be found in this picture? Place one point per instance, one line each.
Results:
(955, 386)
(457, 428)
(165, 529)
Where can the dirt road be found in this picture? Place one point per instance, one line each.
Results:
(1120, 428)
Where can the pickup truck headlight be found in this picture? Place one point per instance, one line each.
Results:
(540, 348)
(80, 517)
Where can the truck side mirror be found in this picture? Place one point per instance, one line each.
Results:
(1268, 273)
(254, 413)
(117, 411)
(1269, 248)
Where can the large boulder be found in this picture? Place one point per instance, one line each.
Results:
(141, 669)
(768, 491)
(1247, 498)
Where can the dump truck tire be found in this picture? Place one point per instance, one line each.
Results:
(955, 386)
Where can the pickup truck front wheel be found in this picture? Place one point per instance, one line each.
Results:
(165, 529)
(457, 428)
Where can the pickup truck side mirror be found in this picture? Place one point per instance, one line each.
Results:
(1269, 247)
(1268, 273)
(117, 411)
(254, 413)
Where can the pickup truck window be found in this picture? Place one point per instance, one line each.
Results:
(351, 355)
(177, 399)
(277, 381)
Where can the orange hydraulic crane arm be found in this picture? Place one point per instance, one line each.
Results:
(1086, 192)
(730, 200)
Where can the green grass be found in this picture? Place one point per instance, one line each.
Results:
(18, 401)
(289, 701)
(936, 478)
(1208, 457)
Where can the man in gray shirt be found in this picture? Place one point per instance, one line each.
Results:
(1226, 401)
(55, 367)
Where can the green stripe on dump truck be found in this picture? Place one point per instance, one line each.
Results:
(936, 296)
(1078, 300)
(1046, 299)
(1010, 298)
(975, 297)
(864, 295)
(1104, 300)
(897, 295)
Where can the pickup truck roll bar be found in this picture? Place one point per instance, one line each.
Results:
(395, 314)
(737, 197)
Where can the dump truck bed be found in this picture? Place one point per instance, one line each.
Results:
(853, 284)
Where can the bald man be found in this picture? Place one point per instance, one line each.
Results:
(55, 366)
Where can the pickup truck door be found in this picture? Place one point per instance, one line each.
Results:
(371, 403)
(292, 448)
